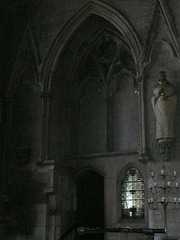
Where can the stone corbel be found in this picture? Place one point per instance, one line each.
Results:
(166, 147)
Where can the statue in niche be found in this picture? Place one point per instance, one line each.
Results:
(164, 102)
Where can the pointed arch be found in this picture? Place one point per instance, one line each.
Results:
(89, 199)
(83, 170)
(123, 186)
(122, 171)
(102, 10)
(28, 38)
(161, 8)
(159, 47)
(170, 25)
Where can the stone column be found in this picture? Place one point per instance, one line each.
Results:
(109, 124)
(53, 218)
(49, 225)
(5, 127)
(44, 150)
(142, 148)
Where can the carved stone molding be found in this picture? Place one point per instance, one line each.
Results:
(28, 58)
(166, 147)
(121, 24)
(100, 9)
(161, 9)
(143, 156)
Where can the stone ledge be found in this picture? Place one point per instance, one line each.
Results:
(101, 155)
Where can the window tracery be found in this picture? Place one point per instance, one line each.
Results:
(132, 195)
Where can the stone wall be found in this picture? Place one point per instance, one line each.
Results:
(78, 98)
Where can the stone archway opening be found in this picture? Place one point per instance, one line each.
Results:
(90, 203)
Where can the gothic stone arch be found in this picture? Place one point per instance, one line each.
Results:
(54, 53)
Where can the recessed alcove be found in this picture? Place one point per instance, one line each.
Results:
(94, 80)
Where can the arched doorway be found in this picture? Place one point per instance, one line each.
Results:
(90, 202)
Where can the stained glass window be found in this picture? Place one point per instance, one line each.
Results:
(132, 190)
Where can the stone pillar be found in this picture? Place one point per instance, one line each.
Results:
(5, 127)
(142, 148)
(109, 124)
(49, 225)
(44, 151)
(53, 218)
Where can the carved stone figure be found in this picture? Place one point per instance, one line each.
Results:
(164, 102)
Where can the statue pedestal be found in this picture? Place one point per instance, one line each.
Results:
(166, 146)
